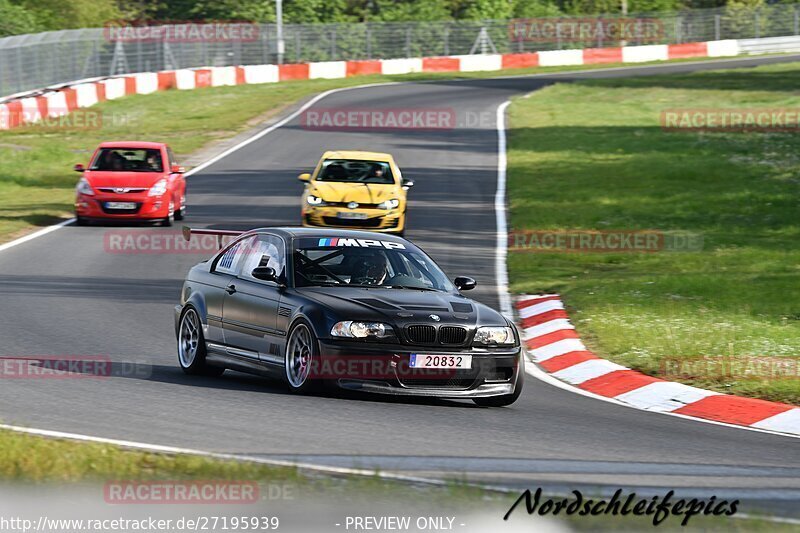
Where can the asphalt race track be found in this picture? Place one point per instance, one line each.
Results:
(64, 294)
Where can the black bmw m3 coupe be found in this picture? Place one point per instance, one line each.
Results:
(364, 311)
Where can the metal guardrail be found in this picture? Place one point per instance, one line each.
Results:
(39, 60)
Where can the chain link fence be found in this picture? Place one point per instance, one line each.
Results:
(37, 60)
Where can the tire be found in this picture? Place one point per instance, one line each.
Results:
(192, 346)
(302, 351)
(180, 214)
(167, 221)
(505, 399)
(80, 221)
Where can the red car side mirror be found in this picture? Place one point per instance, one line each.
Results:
(78, 168)
(177, 169)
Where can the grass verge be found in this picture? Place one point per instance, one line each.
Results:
(592, 156)
(36, 181)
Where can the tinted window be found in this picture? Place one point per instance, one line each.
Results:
(351, 171)
(128, 160)
(319, 262)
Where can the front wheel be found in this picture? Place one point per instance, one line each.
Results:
(192, 346)
(180, 214)
(167, 221)
(302, 355)
(505, 399)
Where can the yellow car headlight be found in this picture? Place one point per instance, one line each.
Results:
(394, 203)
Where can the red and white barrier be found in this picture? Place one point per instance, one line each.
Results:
(57, 101)
(556, 348)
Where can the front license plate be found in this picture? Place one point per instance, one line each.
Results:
(351, 216)
(419, 360)
(120, 205)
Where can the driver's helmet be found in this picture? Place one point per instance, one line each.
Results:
(369, 267)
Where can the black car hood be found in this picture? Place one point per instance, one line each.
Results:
(402, 306)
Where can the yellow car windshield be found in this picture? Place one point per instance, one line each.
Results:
(356, 171)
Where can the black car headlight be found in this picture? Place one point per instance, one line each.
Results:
(362, 330)
(494, 336)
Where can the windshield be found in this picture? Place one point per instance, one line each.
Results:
(356, 171)
(365, 263)
(128, 160)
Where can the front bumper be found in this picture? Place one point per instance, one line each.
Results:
(146, 207)
(386, 371)
(382, 220)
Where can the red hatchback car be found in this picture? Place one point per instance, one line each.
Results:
(131, 181)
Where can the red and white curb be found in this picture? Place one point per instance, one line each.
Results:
(554, 345)
(56, 101)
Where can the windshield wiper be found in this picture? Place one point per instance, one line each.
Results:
(416, 287)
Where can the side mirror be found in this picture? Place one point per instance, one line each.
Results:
(304, 177)
(265, 274)
(463, 283)
(177, 169)
(407, 184)
(79, 168)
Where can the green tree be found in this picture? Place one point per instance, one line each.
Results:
(66, 14)
(535, 8)
(410, 10)
(15, 20)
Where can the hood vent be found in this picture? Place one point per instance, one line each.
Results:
(461, 308)
(425, 308)
(373, 302)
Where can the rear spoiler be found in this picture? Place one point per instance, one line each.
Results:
(220, 233)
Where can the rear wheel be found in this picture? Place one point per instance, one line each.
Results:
(302, 355)
(192, 346)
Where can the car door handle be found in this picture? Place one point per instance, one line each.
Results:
(230, 289)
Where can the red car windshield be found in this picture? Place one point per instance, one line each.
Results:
(128, 160)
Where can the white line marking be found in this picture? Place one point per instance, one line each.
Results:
(35, 234)
(500, 267)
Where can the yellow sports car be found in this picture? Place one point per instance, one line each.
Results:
(349, 189)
